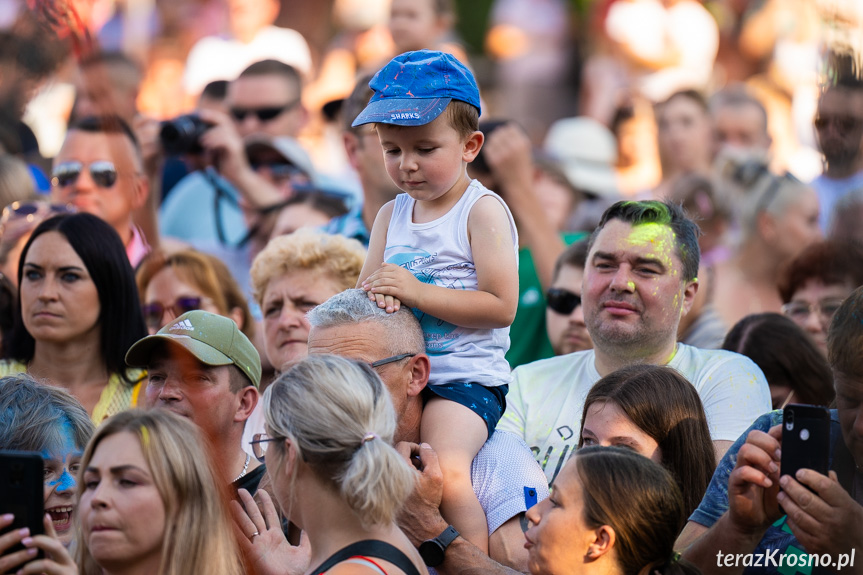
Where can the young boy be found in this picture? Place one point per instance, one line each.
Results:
(449, 250)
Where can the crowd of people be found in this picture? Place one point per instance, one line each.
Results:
(284, 302)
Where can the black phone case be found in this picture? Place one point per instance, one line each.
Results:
(22, 491)
(805, 439)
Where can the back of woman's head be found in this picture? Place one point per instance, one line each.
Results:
(187, 484)
(665, 406)
(103, 254)
(637, 498)
(786, 354)
(204, 272)
(340, 416)
(33, 416)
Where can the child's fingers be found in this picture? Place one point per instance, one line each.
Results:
(381, 299)
(391, 303)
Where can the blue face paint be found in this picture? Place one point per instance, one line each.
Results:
(66, 452)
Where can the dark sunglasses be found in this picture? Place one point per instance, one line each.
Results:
(843, 124)
(562, 301)
(153, 312)
(20, 215)
(263, 114)
(104, 174)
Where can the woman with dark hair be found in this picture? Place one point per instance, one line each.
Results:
(794, 367)
(816, 282)
(623, 409)
(611, 512)
(78, 313)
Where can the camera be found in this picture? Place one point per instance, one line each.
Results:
(182, 135)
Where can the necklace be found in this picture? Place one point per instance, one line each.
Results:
(245, 469)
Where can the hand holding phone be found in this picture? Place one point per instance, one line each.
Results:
(21, 494)
(805, 439)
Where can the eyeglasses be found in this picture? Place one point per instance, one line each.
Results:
(104, 174)
(259, 445)
(773, 189)
(263, 114)
(562, 301)
(800, 311)
(154, 312)
(391, 359)
(31, 213)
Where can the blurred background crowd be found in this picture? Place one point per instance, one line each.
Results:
(748, 112)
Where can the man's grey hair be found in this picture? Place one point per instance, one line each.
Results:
(353, 306)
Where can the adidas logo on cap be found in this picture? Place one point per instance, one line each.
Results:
(184, 325)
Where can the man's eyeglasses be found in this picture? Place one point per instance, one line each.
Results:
(259, 445)
(263, 114)
(103, 173)
(562, 301)
(799, 311)
(391, 359)
(153, 312)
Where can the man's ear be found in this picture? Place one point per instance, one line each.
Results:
(352, 143)
(140, 191)
(248, 400)
(420, 370)
(604, 538)
(689, 291)
(472, 146)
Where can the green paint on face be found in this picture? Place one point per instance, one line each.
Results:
(657, 236)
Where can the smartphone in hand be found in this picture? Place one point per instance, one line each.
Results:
(22, 491)
(805, 439)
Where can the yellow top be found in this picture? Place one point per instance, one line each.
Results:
(116, 397)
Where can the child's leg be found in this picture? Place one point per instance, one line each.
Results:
(457, 434)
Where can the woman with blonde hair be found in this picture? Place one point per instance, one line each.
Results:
(335, 473)
(172, 284)
(293, 274)
(149, 501)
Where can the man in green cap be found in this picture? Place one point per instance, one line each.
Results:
(201, 366)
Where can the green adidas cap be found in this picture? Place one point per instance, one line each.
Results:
(213, 339)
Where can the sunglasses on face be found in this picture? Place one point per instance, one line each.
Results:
(154, 312)
(843, 124)
(26, 215)
(103, 173)
(263, 114)
(562, 301)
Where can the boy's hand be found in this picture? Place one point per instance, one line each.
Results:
(390, 285)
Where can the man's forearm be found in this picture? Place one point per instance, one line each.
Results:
(463, 558)
(708, 552)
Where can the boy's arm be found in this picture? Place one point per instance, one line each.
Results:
(377, 242)
(492, 304)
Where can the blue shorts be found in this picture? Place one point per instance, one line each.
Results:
(487, 402)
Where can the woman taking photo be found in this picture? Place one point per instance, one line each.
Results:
(78, 312)
(150, 502)
(611, 512)
(622, 409)
(335, 474)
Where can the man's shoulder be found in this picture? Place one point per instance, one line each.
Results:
(557, 364)
(697, 364)
(506, 478)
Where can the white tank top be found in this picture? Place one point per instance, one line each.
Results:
(438, 252)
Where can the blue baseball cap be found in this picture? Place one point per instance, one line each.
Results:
(415, 87)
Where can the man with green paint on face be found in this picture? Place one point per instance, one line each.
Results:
(639, 281)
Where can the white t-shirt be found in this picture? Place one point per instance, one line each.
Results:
(215, 58)
(546, 398)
